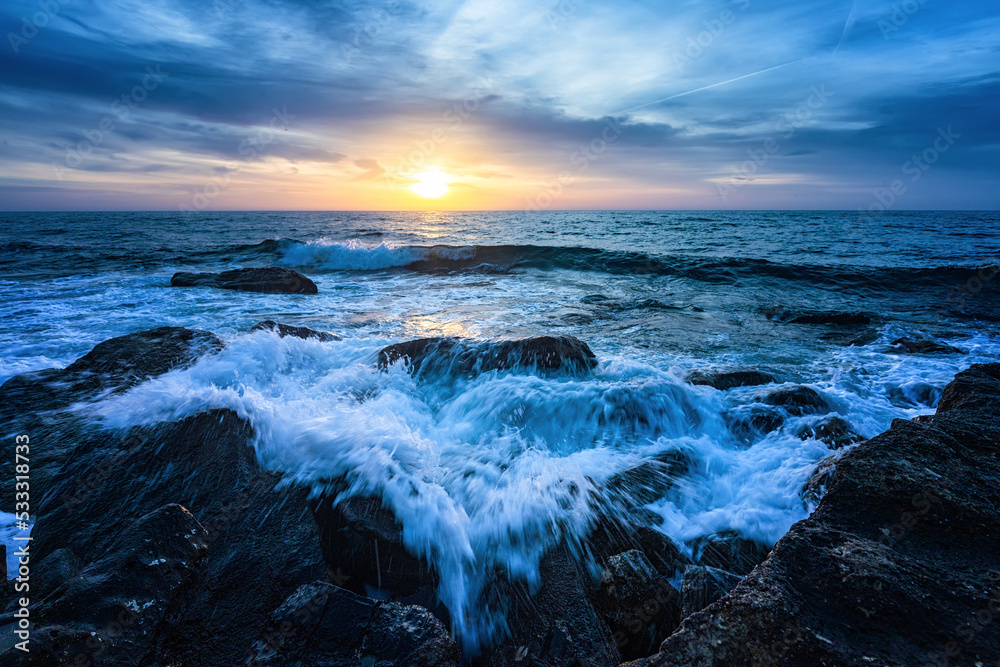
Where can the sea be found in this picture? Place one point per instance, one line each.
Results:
(484, 471)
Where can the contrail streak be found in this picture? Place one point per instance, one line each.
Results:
(714, 85)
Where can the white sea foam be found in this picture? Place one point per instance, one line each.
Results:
(487, 471)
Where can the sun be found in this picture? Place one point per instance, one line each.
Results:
(431, 184)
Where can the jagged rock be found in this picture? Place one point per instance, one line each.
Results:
(304, 333)
(105, 613)
(833, 430)
(455, 355)
(640, 606)
(647, 482)
(269, 280)
(923, 346)
(729, 551)
(893, 566)
(815, 487)
(321, 625)
(361, 536)
(34, 403)
(723, 380)
(704, 585)
(555, 626)
(796, 399)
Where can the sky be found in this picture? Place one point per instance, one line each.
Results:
(571, 104)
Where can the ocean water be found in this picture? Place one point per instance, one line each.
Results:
(485, 471)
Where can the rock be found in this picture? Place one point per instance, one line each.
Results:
(850, 339)
(835, 431)
(305, 333)
(104, 614)
(832, 317)
(894, 564)
(815, 487)
(923, 346)
(646, 482)
(54, 570)
(729, 551)
(34, 403)
(455, 355)
(555, 626)
(704, 585)
(269, 280)
(361, 536)
(639, 605)
(321, 625)
(796, 399)
(749, 422)
(723, 380)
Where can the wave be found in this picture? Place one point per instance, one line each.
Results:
(327, 255)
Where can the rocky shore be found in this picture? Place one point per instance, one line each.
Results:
(170, 545)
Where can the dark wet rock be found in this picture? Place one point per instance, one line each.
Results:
(749, 422)
(913, 394)
(55, 569)
(728, 379)
(815, 486)
(704, 585)
(797, 399)
(833, 318)
(268, 280)
(647, 482)
(361, 536)
(34, 403)
(851, 339)
(613, 535)
(894, 564)
(923, 346)
(321, 625)
(114, 365)
(110, 611)
(304, 333)
(640, 606)
(729, 551)
(555, 626)
(835, 431)
(456, 355)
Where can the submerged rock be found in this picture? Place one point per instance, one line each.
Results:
(269, 280)
(305, 333)
(723, 380)
(797, 399)
(834, 430)
(456, 355)
(321, 625)
(897, 565)
(923, 346)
